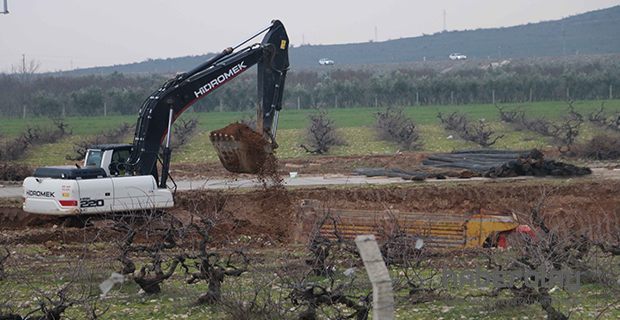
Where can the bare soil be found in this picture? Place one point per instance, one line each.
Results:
(241, 149)
(311, 165)
(271, 214)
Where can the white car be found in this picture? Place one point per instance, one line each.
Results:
(326, 62)
(457, 56)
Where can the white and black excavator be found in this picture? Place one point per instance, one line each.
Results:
(129, 177)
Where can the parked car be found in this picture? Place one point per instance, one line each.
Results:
(325, 62)
(457, 56)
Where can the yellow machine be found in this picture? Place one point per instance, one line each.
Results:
(437, 230)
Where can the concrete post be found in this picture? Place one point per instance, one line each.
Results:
(382, 295)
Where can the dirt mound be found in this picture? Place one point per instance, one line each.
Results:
(241, 149)
(273, 214)
(13, 217)
(265, 212)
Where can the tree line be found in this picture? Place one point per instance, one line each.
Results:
(28, 95)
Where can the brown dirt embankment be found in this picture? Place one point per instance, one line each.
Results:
(272, 213)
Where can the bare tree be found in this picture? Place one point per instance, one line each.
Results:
(36, 135)
(600, 147)
(25, 72)
(328, 251)
(184, 129)
(453, 122)
(334, 293)
(26, 69)
(564, 132)
(598, 117)
(536, 256)
(159, 234)
(406, 250)
(481, 134)
(541, 126)
(392, 124)
(509, 116)
(321, 134)
(211, 266)
(567, 131)
(478, 132)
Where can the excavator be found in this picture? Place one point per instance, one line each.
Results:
(129, 177)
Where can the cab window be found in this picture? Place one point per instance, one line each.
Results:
(120, 156)
(118, 163)
(93, 158)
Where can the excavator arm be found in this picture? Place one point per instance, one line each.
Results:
(165, 105)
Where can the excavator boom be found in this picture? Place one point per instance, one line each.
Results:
(164, 106)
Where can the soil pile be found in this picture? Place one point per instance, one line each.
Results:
(267, 213)
(241, 149)
(272, 213)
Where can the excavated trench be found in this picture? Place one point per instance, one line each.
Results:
(272, 214)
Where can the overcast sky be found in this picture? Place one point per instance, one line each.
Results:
(65, 34)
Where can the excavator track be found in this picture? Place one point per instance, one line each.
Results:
(241, 149)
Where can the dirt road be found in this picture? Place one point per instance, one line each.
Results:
(15, 191)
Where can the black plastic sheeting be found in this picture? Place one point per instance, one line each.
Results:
(485, 163)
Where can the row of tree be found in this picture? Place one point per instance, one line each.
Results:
(28, 94)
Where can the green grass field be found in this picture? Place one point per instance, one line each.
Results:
(354, 123)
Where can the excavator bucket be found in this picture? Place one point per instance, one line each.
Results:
(241, 149)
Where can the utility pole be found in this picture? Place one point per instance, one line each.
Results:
(444, 20)
(563, 39)
(6, 7)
